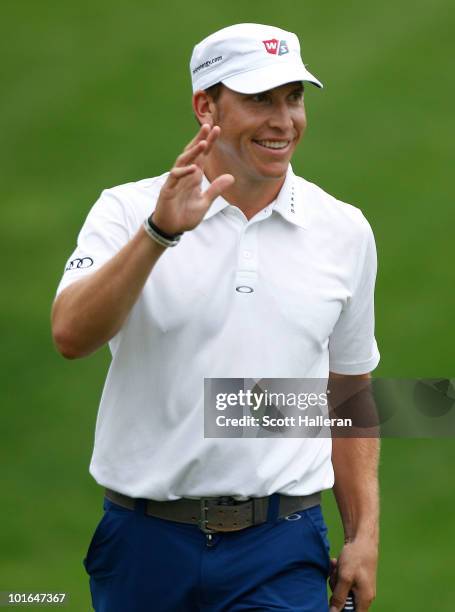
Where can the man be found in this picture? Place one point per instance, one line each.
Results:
(272, 278)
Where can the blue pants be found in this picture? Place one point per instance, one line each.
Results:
(139, 563)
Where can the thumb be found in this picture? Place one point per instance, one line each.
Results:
(333, 573)
(217, 187)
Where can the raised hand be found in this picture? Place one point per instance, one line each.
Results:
(181, 204)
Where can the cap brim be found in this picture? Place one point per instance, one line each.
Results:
(268, 77)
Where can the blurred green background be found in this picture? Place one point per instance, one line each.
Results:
(94, 94)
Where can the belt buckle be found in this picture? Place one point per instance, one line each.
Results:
(204, 508)
(210, 507)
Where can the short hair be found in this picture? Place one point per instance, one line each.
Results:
(214, 91)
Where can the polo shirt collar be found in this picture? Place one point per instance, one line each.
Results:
(288, 203)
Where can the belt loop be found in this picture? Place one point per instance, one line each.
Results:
(274, 507)
(140, 506)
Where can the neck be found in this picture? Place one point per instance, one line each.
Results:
(250, 194)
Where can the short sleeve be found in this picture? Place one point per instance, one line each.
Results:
(103, 234)
(352, 345)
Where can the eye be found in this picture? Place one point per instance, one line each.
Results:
(297, 96)
(260, 97)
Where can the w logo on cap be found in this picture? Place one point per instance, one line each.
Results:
(275, 46)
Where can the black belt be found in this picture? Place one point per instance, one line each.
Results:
(212, 514)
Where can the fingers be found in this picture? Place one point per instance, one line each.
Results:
(363, 600)
(178, 173)
(219, 185)
(204, 131)
(333, 573)
(212, 136)
(339, 595)
(364, 597)
(200, 145)
(190, 155)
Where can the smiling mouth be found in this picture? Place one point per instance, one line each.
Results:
(273, 144)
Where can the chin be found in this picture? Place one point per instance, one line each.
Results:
(273, 171)
(270, 168)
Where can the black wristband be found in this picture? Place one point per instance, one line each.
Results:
(160, 231)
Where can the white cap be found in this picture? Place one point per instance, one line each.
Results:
(248, 58)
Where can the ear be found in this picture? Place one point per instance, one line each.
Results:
(204, 108)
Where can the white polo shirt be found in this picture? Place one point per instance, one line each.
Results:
(287, 294)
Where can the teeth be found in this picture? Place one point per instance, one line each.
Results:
(273, 144)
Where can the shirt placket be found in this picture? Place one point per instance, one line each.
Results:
(247, 272)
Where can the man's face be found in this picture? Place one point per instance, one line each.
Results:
(259, 132)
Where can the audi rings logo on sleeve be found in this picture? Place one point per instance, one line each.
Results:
(79, 262)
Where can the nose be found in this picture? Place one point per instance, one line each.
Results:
(281, 117)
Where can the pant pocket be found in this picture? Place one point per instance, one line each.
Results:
(104, 550)
(316, 520)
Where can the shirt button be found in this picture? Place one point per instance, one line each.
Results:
(247, 254)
